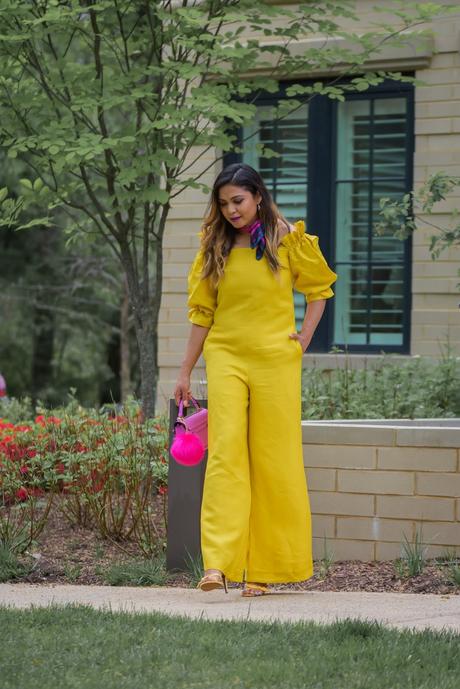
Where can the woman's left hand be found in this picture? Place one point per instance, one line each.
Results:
(303, 339)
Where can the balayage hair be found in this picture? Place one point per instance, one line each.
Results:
(218, 235)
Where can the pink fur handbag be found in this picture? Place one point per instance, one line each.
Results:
(190, 435)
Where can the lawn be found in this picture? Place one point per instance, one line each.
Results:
(79, 647)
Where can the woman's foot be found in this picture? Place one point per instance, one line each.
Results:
(254, 588)
(213, 579)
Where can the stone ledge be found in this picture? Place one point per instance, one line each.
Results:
(330, 362)
(438, 436)
(415, 53)
(388, 433)
(314, 432)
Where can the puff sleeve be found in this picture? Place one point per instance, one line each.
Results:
(310, 272)
(201, 295)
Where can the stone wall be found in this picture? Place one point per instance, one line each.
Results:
(371, 484)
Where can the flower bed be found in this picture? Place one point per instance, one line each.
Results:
(107, 470)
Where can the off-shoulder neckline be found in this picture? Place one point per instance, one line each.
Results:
(291, 238)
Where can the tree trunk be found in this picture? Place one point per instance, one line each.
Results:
(42, 352)
(44, 318)
(125, 359)
(146, 334)
(145, 301)
(145, 314)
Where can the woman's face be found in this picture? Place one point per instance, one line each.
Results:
(238, 205)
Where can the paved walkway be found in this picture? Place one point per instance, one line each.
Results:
(399, 610)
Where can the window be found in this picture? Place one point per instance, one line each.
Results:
(286, 177)
(337, 160)
(371, 164)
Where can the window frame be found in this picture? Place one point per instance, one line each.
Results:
(322, 165)
(388, 89)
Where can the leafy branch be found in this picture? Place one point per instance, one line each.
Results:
(401, 217)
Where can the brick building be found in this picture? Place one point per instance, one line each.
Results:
(337, 160)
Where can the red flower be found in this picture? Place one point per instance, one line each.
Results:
(22, 493)
(42, 421)
(13, 451)
(97, 481)
(60, 467)
(163, 490)
(24, 469)
(36, 490)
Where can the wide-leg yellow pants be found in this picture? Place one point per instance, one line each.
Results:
(255, 514)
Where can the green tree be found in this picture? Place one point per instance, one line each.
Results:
(60, 316)
(59, 310)
(111, 103)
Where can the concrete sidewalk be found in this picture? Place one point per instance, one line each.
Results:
(398, 610)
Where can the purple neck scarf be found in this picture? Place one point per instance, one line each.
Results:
(256, 230)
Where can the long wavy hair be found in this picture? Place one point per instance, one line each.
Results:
(218, 235)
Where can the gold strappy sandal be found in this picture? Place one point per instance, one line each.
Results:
(215, 580)
(252, 589)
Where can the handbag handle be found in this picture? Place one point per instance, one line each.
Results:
(180, 413)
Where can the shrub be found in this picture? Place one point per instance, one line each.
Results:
(22, 484)
(418, 388)
(106, 468)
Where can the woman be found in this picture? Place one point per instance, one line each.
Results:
(255, 513)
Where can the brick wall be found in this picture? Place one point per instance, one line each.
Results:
(370, 485)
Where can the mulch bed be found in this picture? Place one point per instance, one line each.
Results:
(68, 554)
(354, 575)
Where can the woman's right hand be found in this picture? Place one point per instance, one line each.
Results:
(194, 348)
(182, 390)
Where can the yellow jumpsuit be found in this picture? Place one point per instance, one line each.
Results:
(255, 513)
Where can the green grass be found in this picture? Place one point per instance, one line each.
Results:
(326, 561)
(146, 572)
(10, 567)
(413, 561)
(195, 568)
(79, 647)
